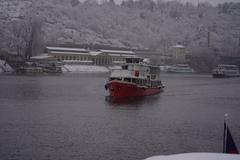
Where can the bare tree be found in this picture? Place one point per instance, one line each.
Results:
(32, 36)
(26, 36)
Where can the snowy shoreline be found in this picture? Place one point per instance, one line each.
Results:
(84, 68)
(69, 68)
(5, 67)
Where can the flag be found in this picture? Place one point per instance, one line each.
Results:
(229, 145)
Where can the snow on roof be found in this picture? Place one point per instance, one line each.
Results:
(95, 53)
(67, 49)
(85, 61)
(69, 53)
(125, 55)
(227, 65)
(42, 56)
(197, 156)
(117, 51)
(179, 46)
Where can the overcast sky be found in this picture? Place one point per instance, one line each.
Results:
(214, 2)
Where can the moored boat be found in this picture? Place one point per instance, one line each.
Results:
(39, 68)
(134, 79)
(29, 70)
(180, 68)
(226, 71)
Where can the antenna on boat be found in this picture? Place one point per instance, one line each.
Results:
(146, 60)
(224, 133)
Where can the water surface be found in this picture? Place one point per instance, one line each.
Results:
(68, 117)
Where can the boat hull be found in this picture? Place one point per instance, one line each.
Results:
(224, 76)
(121, 89)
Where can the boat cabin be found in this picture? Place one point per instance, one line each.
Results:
(135, 71)
(224, 70)
(227, 67)
(134, 60)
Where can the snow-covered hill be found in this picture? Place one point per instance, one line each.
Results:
(135, 24)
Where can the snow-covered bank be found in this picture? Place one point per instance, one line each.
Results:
(114, 67)
(5, 67)
(84, 68)
(197, 156)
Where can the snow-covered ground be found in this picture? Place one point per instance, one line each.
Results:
(84, 68)
(197, 156)
(4, 67)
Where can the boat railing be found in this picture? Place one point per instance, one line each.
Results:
(121, 73)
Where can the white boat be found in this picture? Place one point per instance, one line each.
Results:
(180, 68)
(224, 71)
(197, 156)
(134, 79)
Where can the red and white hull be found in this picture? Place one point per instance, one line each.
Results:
(124, 89)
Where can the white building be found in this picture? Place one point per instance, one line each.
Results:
(179, 53)
(83, 56)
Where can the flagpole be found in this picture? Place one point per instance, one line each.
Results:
(225, 133)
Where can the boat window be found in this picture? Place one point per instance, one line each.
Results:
(125, 67)
(114, 78)
(230, 67)
(127, 79)
(153, 76)
(133, 60)
(137, 81)
(128, 60)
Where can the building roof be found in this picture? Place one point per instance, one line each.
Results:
(95, 53)
(41, 57)
(179, 46)
(117, 51)
(82, 51)
(70, 53)
(119, 55)
(67, 49)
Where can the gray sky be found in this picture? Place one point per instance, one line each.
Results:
(214, 2)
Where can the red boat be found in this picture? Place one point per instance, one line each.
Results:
(134, 79)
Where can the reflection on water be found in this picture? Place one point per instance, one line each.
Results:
(130, 102)
(70, 116)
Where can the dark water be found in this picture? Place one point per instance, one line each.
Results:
(67, 117)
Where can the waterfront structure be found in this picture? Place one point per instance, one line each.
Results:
(179, 53)
(180, 68)
(43, 63)
(90, 57)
